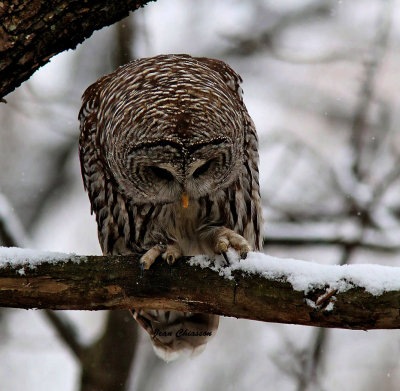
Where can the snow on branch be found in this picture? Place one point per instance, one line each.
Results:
(260, 287)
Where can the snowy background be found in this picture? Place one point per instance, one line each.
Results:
(321, 81)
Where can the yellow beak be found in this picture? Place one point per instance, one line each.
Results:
(185, 200)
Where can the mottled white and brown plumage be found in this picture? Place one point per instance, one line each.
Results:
(158, 135)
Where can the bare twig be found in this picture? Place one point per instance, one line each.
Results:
(371, 66)
(125, 32)
(56, 180)
(310, 240)
(385, 183)
(265, 39)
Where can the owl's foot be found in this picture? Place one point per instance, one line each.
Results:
(225, 238)
(170, 253)
(150, 256)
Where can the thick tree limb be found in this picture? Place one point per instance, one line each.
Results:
(31, 32)
(107, 362)
(115, 282)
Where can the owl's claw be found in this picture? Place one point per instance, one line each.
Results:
(222, 245)
(149, 257)
(142, 269)
(225, 238)
(172, 253)
(170, 259)
(225, 257)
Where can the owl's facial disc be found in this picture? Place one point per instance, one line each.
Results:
(162, 174)
(165, 171)
(159, 181)
(150, 172)
(210, 168)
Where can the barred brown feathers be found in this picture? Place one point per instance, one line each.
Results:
(169, 157)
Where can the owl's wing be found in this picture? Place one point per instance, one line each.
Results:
(109, 207)
(89, 148)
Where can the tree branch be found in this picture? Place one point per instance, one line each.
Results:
(329, 296)
(367, 91)
(32, 32)
(292, 240)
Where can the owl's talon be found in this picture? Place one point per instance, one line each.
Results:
(141, 269)
(221, 246)
(149, 257)
(170, 259)
(243, 249)
(172, 253)
(224, 254)
(225, 238)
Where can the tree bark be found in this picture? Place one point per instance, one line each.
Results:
(107, 363)
(31, 32)
(116, 282)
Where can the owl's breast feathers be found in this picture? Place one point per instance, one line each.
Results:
(150, 224)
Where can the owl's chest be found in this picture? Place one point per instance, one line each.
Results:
(184, 225)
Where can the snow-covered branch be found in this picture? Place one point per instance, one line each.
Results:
(260, 287)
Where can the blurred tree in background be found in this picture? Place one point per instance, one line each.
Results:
(321, 82)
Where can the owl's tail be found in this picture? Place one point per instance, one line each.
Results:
(175, 333)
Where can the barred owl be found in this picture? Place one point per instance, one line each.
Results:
(169, 157)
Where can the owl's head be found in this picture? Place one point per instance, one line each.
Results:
(176, 127)
(164, 170)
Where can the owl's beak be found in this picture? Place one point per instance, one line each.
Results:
(185, 200)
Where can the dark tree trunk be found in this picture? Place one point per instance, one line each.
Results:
(106, 365)
(31, 32)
